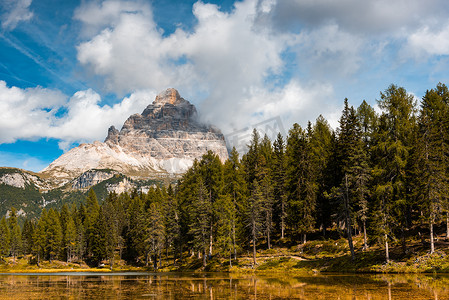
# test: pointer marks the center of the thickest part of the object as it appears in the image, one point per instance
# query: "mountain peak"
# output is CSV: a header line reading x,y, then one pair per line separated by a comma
x,y
165,139
170,96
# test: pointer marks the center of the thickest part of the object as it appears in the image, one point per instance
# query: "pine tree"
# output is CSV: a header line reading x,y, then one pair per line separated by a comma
x,y
264,178
432,149
27,237
91,216
210,169
321,147
235,187
4,238
40,236
255,216
393,142
53,234
70,238
15,234
155,231
226,214
278,171
171,222
300,183
353,188
201,218
98,238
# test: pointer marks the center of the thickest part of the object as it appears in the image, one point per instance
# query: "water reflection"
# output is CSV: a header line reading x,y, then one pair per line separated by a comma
x,y
221,286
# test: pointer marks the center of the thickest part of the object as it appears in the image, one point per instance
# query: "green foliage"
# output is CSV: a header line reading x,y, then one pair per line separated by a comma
x,y
383,175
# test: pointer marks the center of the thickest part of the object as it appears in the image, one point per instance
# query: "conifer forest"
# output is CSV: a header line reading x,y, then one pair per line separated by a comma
x,y
381,175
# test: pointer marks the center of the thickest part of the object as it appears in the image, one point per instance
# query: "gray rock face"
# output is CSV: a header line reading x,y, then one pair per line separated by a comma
x,y
90,178
165,139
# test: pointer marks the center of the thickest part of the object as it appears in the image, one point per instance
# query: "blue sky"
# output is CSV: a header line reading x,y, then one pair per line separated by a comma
x,y
70,69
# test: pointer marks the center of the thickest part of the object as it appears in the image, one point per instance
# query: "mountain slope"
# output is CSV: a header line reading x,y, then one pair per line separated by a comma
x,y
164,140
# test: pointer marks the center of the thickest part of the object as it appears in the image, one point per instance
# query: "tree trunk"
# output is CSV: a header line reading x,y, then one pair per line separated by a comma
x,y
365,246
268,232
233,240
146,259
348,220
211,240
432,244
204,258
282,218
387,253
447,225
254,243
160,258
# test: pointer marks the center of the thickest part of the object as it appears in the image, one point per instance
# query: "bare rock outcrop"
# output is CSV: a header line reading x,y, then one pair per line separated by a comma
x,y
164,140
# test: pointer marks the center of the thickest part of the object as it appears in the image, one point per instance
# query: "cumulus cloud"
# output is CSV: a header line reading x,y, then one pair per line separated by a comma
x,y
430,42
15,11
35,113
223,62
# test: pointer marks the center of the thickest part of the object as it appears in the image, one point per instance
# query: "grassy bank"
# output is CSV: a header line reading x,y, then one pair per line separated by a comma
x,y
310,258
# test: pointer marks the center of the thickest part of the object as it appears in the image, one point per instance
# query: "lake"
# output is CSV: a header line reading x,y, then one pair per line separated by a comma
x,y
220,286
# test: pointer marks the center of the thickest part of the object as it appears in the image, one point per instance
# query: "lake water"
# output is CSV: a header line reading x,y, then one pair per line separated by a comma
x,y
220,286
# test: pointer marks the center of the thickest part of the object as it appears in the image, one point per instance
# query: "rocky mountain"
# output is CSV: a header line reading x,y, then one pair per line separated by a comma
x,y
163,140
152,148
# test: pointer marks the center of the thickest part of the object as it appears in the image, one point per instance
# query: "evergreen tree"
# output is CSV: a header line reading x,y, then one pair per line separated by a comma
x,y
40,236
300,184
171,222
91,215
353,188
236,188
70,238
201,218
15,234
278,171
155,231
226,214
432,149
27,237
321,147
393,142
53,234
4,238
98,238
211,172
255,216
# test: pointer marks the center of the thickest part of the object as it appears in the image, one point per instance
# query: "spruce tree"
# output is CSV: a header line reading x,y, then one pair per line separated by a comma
x,y
300,183
201,218
4,238
391,150
320,153
279,196
235,187
15,234
53,234
432,149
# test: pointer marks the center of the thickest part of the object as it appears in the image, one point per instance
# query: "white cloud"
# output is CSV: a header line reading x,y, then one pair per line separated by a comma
x,y
224,61
430,42
32,113
15,11
26,113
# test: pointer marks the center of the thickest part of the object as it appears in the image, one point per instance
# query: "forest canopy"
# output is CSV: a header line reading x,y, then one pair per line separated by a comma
x,y
378,175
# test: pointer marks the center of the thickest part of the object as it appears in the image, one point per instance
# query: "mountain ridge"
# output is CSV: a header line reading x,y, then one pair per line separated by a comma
x,y
163,140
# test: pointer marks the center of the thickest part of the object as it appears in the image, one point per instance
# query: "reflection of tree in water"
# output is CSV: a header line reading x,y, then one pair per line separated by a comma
x,y
435,285
224,286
